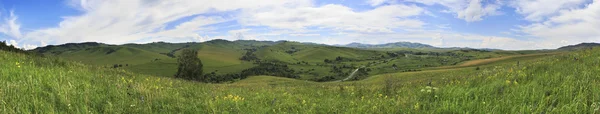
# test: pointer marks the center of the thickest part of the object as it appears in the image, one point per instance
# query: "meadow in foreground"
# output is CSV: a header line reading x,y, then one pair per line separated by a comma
x,y
565,83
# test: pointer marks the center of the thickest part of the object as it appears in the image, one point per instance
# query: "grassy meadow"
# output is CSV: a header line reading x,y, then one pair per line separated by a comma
x,y
555,83
223,57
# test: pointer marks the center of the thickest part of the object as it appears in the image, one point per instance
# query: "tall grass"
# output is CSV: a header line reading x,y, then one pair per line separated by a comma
x,y
559,84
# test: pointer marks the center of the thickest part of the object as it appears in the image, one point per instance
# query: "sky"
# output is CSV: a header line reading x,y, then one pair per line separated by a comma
x,y
498,24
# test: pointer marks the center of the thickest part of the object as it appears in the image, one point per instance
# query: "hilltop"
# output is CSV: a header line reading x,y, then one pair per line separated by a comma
x,y
36,84
388,45
579,46
308,61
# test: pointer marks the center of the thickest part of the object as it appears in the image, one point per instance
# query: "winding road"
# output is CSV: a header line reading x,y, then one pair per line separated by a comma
x,y
351,75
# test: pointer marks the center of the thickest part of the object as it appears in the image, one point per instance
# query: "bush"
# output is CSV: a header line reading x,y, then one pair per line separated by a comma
x,y
272,69
190,66
4,46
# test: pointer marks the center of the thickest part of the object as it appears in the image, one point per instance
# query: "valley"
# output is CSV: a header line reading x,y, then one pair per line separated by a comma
x,y
314,62
555,81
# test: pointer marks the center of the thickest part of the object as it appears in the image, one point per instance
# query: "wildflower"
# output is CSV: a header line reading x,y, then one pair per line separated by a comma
x,y
416,106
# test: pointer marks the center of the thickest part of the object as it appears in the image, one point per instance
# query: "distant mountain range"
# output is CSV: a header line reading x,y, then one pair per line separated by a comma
x,y
70,46
579,46
388,45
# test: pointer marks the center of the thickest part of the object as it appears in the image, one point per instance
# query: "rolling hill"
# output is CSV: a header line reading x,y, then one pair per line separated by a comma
x,y
553,83
580,46
310,61
388,45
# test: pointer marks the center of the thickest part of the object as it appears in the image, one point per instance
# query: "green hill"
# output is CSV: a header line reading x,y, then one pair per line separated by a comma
x,y
292,52
541,84
580,46
388,45
314,62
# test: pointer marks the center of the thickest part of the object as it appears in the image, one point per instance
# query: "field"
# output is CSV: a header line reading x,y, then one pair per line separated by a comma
x,y
554,83
310,61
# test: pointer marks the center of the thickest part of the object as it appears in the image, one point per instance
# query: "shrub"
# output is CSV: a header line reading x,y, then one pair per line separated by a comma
x,y
190,66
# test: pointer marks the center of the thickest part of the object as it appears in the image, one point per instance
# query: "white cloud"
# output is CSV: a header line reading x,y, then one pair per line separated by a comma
x,y
379,20
554,23
376,2
568,26
440,39
13,43
125,21
305,35
475,11
538,10
468,10
10,26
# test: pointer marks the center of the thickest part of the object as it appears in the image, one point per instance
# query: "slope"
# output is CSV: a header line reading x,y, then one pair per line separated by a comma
x,y
292,52
557,84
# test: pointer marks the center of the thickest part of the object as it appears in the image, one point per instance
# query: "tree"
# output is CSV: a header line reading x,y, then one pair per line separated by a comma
x,y
190,66
327,61
338,58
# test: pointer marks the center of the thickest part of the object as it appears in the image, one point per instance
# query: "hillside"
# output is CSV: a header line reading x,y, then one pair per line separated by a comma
x,y
580,46
309,61
536,85
388,45
293,52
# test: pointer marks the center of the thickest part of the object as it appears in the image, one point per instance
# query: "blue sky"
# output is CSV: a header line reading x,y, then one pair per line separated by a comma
x,y
501,24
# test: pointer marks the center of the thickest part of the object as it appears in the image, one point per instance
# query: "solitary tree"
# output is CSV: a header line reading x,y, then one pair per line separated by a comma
x,y
190,67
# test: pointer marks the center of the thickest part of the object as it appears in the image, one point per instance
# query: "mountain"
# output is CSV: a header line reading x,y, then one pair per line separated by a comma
x,y
388,45
310,61
579,46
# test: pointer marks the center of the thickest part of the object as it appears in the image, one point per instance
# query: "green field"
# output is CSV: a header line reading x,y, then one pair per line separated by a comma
x,y
310,61
562,83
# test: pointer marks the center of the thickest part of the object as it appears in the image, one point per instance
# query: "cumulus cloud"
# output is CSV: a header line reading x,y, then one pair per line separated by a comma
x,y
10,26
376,2
13,43
553,23
118,21
468,10
568,26
379,20
439,39
538,10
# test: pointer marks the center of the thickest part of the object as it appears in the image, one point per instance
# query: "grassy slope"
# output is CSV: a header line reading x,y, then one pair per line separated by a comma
x,y
109,55
554,84
159,47
222,56
311,53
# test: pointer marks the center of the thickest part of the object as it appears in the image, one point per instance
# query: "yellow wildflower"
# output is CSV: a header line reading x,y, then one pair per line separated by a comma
x,y
417,106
